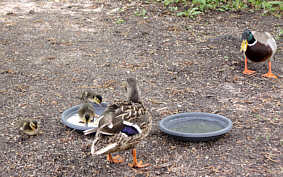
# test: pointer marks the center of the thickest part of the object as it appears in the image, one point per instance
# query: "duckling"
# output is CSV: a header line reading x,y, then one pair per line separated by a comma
x,y
90,96
86,113
128,123
29,127
258,47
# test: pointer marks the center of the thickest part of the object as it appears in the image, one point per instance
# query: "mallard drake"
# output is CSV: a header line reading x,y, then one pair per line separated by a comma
x,y
86,113
127,123
258,47
29,127
90,96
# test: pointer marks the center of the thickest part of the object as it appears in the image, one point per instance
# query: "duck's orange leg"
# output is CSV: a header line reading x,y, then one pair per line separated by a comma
x,y
116,159
247,71
135,163
269,73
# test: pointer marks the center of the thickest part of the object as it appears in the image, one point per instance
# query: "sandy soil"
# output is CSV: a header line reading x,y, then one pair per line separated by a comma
x,y
52,50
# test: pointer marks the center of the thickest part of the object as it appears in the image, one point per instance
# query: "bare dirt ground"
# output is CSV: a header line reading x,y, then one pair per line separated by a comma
x,y
52,50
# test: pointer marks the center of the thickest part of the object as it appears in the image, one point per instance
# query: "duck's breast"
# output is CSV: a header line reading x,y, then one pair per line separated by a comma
x,y
258,52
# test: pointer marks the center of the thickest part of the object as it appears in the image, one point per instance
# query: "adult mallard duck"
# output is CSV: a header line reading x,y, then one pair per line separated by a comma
x,y
86,113
258,47
29,127
127,123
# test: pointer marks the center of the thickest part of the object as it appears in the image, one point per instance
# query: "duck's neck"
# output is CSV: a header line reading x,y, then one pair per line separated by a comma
x,y
252,42
133,95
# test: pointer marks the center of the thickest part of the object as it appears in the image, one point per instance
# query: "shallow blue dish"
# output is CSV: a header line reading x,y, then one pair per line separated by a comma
x,y
99,109
166,125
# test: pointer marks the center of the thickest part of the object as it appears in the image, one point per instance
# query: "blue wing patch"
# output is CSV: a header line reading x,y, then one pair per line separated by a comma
x,y
129,130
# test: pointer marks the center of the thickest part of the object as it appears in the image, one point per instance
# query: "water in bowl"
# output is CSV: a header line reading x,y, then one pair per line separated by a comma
x,y
75,120
197,126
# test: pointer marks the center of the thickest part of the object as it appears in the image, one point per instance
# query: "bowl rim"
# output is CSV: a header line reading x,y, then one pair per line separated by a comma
x,y
190,115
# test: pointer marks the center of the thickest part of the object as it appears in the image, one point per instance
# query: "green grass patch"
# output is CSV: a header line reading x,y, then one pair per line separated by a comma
x,y
141,13
120,21
192,8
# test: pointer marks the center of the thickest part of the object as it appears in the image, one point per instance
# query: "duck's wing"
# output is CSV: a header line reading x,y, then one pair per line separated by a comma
x,y
265,38
129,111
113,127
121,117
132,133
109,124
108,144
118,142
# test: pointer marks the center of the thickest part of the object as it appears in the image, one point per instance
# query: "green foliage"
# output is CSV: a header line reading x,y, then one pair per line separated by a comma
x,y
192,8
168,2
267,137
238,4
173,9
279,34
120,21
190,12
267,6
204,4
141,13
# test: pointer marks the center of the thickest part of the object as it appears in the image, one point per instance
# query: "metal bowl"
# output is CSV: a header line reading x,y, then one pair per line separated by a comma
x,y
166,125
73,111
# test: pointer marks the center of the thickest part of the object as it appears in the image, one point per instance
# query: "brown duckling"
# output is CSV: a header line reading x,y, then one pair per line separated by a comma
x,y
90,96
86,113
29,127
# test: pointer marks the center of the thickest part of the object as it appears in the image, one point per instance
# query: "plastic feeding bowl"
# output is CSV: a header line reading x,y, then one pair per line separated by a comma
x,y
71,119
195,126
